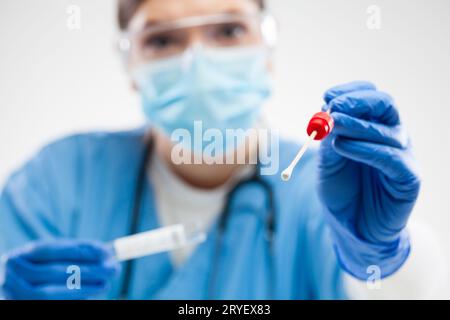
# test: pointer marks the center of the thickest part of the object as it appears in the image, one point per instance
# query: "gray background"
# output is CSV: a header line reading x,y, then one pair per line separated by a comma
x,y
55,81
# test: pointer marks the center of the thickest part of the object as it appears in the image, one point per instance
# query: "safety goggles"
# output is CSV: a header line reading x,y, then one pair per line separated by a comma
x,y
164,40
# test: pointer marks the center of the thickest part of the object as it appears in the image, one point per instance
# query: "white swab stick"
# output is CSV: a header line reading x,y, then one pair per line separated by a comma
x,y
286,174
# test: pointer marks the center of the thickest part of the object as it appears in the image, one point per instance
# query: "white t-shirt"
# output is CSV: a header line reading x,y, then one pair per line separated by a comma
x,y
179,203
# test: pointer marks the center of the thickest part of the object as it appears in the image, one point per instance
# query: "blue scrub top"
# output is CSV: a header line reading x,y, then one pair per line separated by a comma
x,y
83,187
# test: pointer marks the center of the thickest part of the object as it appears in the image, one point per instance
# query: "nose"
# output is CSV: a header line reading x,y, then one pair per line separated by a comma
x,y
194,44
195,37
193,50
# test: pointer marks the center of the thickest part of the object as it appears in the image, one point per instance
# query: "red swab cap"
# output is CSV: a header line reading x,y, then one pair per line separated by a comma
x,y
322,123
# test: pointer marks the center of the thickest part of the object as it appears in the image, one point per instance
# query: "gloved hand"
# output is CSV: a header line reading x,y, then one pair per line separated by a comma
x,y
40,270
367,179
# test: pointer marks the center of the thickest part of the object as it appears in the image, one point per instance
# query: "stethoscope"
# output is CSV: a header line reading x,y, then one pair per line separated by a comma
x,y
254,179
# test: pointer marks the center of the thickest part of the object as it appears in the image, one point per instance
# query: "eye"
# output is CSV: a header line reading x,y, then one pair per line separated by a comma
x,y
231,31
159,41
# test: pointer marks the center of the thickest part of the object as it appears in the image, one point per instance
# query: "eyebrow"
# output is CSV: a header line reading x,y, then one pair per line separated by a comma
x,y
155,22
152,23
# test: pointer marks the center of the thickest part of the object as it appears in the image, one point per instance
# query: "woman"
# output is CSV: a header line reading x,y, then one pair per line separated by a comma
x,y
207,62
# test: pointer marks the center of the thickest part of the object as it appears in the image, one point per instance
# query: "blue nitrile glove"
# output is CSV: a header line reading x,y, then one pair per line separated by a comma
x,y
367,179
41,270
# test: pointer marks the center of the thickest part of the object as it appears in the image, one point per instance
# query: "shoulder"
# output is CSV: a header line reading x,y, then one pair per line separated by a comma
x,y
71,157
94,141
91,146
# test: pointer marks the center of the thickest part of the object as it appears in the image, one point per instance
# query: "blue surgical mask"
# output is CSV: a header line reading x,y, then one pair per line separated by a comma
x,y
222,88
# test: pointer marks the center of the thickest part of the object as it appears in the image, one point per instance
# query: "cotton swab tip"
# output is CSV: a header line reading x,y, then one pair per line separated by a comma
x,y
286,175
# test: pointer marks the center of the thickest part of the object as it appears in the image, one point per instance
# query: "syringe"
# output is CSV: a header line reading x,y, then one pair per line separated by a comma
x,y
320,126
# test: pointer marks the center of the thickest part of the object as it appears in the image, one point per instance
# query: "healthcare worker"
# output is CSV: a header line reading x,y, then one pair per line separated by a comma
x,y
344,211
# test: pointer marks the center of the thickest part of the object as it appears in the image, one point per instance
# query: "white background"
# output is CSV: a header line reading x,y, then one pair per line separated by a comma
x,y
54,81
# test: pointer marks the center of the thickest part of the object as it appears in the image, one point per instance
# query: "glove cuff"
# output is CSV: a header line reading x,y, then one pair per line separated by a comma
x,y
359,257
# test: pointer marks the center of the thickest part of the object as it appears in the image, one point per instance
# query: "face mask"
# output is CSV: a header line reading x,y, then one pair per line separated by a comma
x,y
222,88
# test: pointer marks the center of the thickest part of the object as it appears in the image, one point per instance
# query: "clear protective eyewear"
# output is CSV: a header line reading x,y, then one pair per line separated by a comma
x,y
167,39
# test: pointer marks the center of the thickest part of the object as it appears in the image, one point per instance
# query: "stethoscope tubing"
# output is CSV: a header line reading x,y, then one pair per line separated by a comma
x,y
222,225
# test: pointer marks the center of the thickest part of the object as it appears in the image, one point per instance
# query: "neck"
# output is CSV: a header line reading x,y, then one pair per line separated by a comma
x,y
203,176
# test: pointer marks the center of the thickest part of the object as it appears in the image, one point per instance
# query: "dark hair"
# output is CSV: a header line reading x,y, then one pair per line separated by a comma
x,y
128,8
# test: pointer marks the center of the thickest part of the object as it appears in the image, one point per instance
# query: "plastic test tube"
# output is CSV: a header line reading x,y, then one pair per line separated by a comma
x,y
156,241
